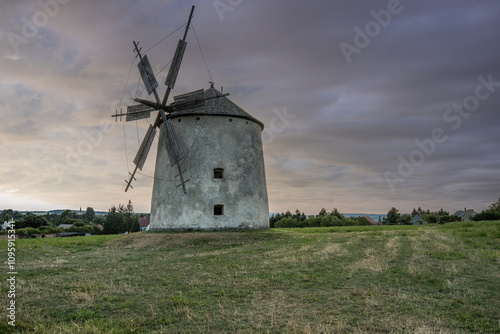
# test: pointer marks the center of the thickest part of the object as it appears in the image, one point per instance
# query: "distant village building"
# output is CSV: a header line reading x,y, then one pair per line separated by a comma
x,y
144,223
5,225
371,220
465,215
418,220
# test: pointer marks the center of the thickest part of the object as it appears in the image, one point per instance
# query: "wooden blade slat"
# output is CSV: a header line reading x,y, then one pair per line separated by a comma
x,y
137,112
176,64
142,154
147,75
171,144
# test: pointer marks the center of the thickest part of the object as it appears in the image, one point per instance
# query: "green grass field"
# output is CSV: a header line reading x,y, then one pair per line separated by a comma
x,y
401,279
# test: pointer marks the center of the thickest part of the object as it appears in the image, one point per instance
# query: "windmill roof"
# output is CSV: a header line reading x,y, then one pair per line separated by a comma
x,y
221,106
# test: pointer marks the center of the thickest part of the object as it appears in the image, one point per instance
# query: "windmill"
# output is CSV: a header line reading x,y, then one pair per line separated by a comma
x,y
212,139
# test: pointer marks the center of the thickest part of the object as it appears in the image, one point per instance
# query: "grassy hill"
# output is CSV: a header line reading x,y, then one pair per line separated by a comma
x,y
382,279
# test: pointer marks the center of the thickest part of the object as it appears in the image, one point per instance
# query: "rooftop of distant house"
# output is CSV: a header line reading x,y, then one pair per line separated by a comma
x,y
144,221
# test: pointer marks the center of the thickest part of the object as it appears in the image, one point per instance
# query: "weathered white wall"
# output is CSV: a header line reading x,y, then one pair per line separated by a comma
x,y
212,142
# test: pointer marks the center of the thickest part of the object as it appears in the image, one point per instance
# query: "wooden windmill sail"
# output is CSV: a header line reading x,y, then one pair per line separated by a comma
x,y
144,109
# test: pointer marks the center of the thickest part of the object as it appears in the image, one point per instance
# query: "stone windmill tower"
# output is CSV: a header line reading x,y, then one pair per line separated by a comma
x,y
209,171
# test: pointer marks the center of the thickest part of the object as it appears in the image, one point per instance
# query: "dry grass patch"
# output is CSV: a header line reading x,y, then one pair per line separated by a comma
x,y
333,250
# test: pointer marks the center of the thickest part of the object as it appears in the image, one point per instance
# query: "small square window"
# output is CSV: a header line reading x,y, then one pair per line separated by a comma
x,y
230,120
218,173
218,210
197,118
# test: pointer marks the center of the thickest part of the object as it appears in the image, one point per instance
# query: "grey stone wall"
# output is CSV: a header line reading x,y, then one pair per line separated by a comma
x,y
210,142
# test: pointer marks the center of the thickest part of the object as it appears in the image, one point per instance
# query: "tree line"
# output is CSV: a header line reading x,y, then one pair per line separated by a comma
x,y
492,213
119,219
322,219
393,217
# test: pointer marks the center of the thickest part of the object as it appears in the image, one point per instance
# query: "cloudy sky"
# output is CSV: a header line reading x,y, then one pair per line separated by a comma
x,y
367,104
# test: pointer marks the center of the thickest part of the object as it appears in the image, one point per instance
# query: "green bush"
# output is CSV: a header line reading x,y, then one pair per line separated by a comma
x,y
287,222
487,216
349,222
27,231
76,222
405,219
448,219
92,229
313,222
33,221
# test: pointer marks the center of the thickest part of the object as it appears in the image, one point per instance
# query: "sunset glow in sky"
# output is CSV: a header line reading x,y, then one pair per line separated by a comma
x,y
367,104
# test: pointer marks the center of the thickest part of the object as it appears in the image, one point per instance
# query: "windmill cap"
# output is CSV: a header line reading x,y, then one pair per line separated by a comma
x,y
221,106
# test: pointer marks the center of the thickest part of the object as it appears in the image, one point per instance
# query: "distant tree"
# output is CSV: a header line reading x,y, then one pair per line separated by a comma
x,y
287,222
55,219
121,220
327,221
495,207
392,217
414,212
322,212
487,215
349,221
130,207
76,222
68,214
89,214
313,222
337,214
6,215
441,212
27,231
430,218
405,219
273,219
131,220
33,221
99,220
88,228
114,222
448,219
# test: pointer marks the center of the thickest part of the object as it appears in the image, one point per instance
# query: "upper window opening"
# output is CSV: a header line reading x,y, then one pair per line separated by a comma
x,y
218,173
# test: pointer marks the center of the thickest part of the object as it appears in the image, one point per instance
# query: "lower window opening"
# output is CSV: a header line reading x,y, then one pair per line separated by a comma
x,y
218,210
